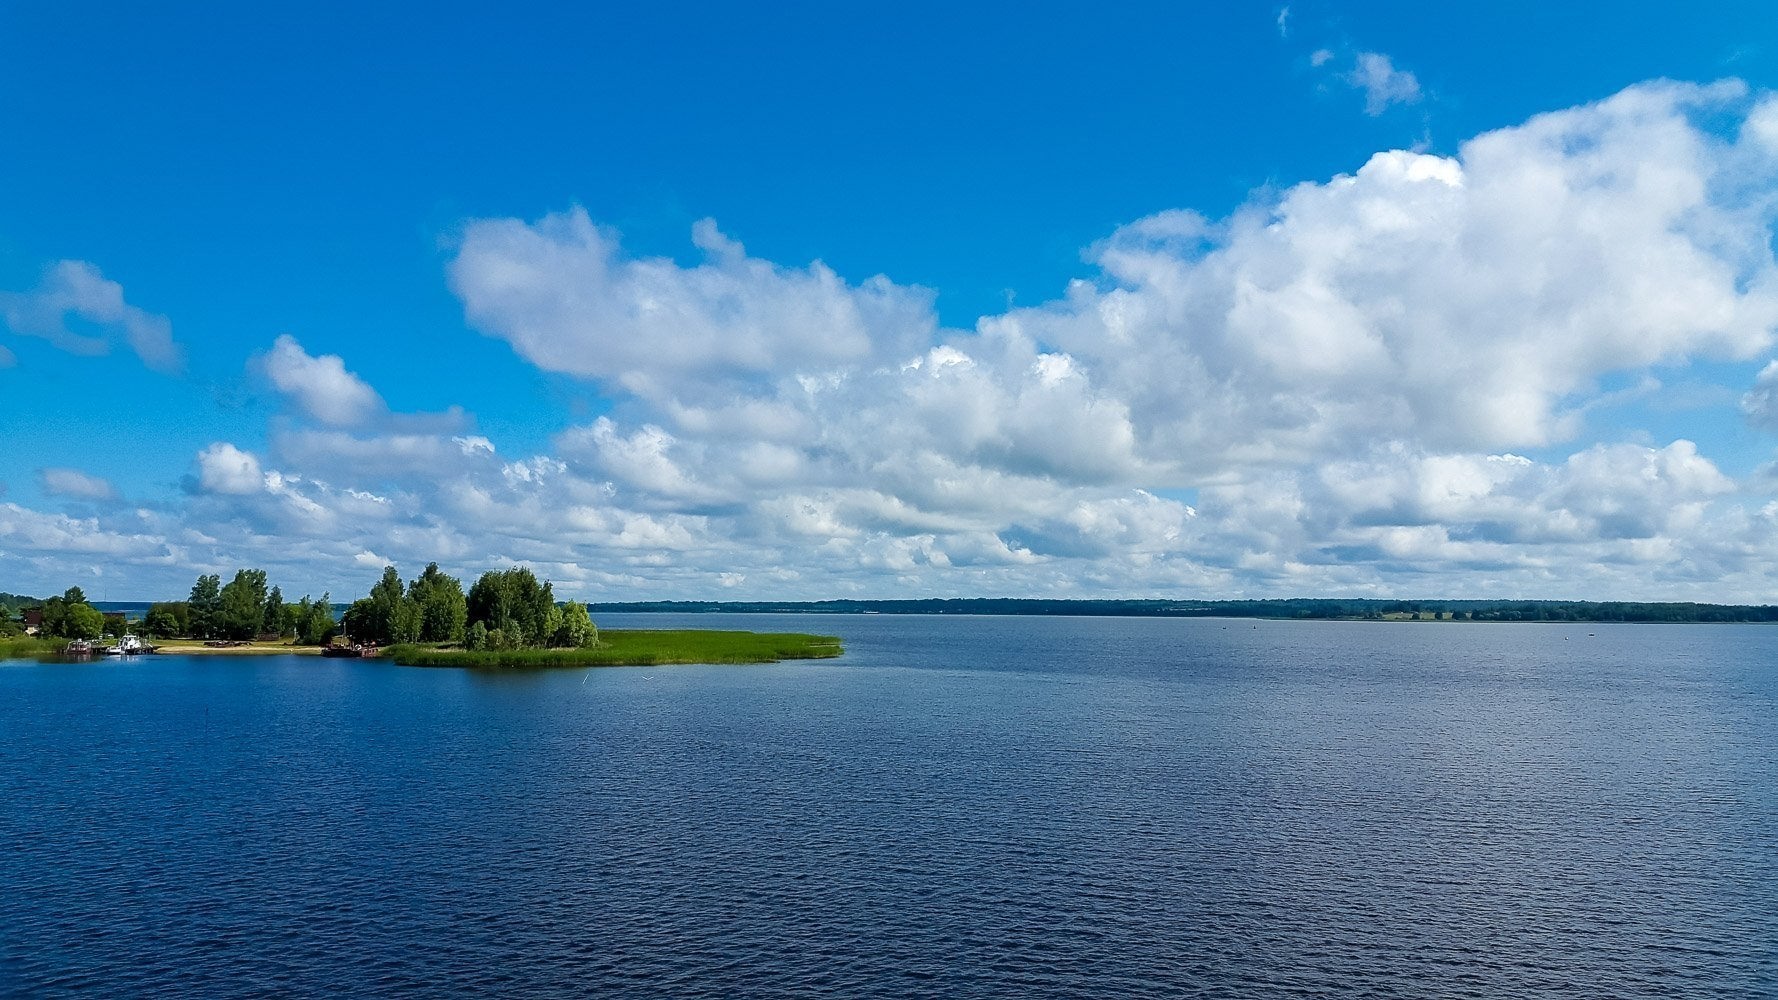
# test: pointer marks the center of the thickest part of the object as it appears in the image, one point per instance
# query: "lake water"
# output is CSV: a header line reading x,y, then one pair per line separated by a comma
x,y
959,807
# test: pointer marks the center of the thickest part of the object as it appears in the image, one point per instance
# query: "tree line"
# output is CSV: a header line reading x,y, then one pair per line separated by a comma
x,y
505,609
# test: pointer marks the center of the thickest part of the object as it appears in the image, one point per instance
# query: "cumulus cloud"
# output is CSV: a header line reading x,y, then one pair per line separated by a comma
x,y
75,484
1383,85
562,292
226,469
320,387
1387,381
76,290
1457,306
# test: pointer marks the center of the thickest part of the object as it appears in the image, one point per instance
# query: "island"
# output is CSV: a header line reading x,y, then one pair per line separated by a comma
x,y
507,619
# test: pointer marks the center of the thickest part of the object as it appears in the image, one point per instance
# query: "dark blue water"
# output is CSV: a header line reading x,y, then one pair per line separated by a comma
x,y
968,807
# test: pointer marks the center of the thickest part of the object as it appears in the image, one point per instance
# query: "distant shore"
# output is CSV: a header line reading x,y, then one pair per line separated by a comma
x,y
1284,609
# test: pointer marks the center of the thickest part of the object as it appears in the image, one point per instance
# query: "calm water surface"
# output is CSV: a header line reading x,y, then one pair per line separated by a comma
x,y
960,807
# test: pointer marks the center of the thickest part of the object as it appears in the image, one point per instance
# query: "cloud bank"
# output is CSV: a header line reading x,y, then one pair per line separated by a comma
x,y
1380,383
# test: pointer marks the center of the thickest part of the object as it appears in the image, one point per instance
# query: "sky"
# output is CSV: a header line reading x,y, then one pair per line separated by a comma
x,y
805,301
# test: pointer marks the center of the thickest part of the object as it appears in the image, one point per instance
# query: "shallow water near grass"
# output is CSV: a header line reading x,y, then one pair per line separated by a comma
x,y
956,807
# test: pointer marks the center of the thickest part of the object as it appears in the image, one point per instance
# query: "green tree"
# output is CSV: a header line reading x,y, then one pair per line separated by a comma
x,y
161,621
318,628
83,621
444,611
515,604
55,616
74,595
576,628
241,605
273,619
205,606
359,621
476,637
404,621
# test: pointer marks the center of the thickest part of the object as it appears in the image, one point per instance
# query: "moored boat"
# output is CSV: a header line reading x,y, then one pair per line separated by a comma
x,y
351,650
128,645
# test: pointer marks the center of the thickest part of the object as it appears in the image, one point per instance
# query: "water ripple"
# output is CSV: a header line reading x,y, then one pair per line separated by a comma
x,y
958,808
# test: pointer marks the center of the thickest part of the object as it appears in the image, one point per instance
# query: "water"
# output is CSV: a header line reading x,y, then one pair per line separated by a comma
x,y
1012,807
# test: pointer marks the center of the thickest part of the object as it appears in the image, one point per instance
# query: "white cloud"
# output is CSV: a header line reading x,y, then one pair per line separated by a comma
x,y
76,484
1761,402
566,298
75,289
321,386
1332,390
225,469
1321,57
1283,21
1383,84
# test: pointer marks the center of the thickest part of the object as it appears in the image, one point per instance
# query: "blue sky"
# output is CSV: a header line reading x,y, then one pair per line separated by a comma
x,y
477,228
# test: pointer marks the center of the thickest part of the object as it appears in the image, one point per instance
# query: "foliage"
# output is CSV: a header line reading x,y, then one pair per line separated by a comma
x,y
1291,608
24,645
314,622
205,606
388,614
636,648
168,618
272,620
70,617
576,630
515,604
444,611
476,638
16,603
82,621
241,605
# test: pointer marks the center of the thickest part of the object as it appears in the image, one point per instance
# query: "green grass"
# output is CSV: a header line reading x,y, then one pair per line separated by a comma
x,y
12,647
637,647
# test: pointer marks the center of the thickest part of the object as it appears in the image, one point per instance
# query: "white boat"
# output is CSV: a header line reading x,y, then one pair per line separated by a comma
x,y
129,645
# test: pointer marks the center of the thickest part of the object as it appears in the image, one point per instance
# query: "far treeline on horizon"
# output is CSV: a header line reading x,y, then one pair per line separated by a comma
x,y
512,609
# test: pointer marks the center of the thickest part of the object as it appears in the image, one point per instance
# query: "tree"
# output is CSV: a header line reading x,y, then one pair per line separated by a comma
x,y
161,621
359,622
83,621
273,619
577,628
513,603
241,605
74,595
476,637
444,612
205,605
318,627
55,616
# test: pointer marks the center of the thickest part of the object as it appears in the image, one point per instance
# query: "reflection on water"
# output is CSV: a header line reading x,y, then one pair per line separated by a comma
x,y
959,807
